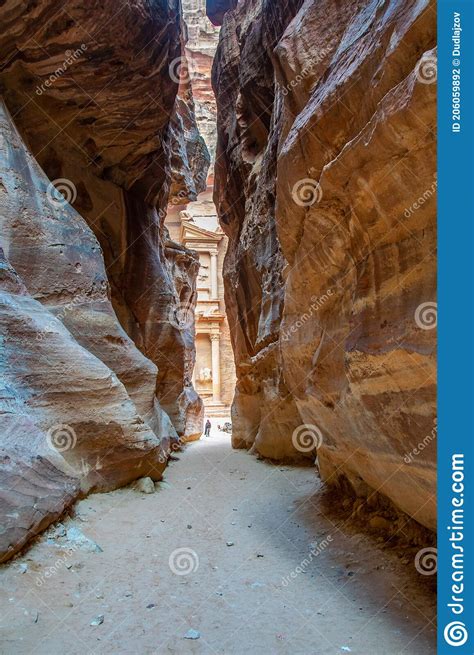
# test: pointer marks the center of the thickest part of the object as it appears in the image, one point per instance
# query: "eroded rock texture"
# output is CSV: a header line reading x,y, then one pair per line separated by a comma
x,y
95,349
79,410
190,158
102,121
201,46
216,9
326,121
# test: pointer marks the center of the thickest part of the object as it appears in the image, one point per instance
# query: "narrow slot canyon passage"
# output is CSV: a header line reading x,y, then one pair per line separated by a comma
x,y
209,214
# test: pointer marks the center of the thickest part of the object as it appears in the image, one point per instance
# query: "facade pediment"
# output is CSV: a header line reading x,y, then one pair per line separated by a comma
x,y
214,372
191,233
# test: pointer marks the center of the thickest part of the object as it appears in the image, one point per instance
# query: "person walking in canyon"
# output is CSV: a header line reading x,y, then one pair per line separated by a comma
x,y
207,428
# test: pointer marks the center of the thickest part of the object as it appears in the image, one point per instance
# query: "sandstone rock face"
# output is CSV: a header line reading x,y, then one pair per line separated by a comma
x,y
93,95
201,46
78,406
101,74
97,358
216,9
325,186
190,158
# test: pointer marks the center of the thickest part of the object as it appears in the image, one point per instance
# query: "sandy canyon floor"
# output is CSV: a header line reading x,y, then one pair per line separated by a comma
x,y
216,561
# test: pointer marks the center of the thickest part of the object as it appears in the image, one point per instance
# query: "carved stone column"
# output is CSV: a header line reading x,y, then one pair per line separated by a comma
x,y
213,275
216,368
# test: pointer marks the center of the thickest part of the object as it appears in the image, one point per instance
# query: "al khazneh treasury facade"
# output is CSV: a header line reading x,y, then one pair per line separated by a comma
x,y
196,227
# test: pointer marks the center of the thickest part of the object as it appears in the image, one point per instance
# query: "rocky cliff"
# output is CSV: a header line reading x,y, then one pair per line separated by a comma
x,y
325,187
97,346
216,9
201,45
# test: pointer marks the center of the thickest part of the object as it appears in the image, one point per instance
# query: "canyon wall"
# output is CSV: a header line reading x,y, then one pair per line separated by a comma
x,y
201,45
325,186
96,360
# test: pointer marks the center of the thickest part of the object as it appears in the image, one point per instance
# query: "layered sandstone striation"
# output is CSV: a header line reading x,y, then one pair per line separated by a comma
x,y
95,108
97,361
201,45
326,122
78,403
